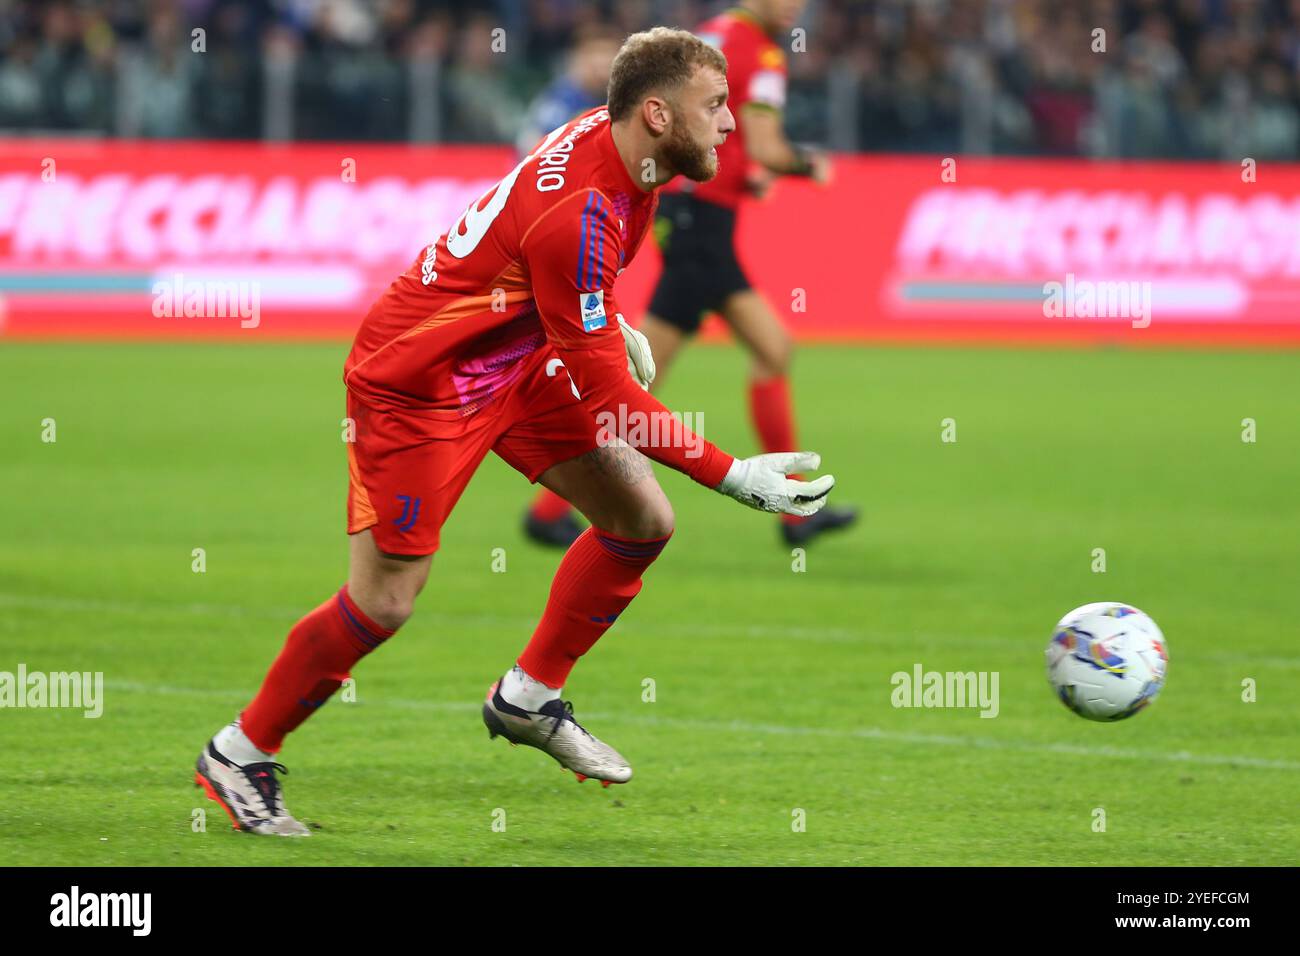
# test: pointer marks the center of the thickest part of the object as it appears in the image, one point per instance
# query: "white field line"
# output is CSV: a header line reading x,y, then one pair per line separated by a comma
x,y
428,615
782,730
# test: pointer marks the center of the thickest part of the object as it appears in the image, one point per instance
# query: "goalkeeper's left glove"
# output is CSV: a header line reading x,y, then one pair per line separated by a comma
x,y
761,483
640,363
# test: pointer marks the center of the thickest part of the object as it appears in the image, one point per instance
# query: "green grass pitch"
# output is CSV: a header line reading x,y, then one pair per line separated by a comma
x,y
771,686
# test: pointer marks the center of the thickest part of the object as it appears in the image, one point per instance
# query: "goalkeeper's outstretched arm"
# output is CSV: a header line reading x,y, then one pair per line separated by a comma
x,y
609,364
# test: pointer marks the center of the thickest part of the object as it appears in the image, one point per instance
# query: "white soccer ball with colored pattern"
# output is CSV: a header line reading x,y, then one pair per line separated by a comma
x,y
1107,661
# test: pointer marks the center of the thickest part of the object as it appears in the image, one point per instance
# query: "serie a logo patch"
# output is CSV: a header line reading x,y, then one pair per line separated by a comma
x,y
591,306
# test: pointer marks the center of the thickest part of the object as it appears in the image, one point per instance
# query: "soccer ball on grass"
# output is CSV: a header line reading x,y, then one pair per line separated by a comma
x,y
1107,661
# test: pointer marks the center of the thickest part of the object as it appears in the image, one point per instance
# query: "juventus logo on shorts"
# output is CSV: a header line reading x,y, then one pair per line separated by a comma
x,y
410,513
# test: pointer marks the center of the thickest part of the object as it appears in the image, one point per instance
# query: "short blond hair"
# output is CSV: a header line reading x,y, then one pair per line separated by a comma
x,y
661,60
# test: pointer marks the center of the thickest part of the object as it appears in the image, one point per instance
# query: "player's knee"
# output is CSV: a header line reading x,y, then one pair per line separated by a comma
x,y
783,355
390,609
654,520
394,613
658,520
774,361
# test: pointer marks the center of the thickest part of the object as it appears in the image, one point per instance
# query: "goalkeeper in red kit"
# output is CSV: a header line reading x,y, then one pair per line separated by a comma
x,y
504,335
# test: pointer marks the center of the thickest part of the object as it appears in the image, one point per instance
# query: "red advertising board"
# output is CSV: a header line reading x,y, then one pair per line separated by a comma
x,y
111,239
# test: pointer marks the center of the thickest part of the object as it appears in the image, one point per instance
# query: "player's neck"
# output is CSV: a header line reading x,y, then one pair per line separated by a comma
x,y
634,147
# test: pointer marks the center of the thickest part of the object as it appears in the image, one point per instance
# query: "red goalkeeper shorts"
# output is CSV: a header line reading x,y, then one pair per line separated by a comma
x,y
407,468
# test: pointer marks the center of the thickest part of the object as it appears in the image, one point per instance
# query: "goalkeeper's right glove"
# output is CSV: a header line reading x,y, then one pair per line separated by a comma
x,y
761,483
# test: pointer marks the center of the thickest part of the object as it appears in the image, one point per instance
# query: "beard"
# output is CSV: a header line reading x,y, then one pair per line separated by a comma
x,y
687,158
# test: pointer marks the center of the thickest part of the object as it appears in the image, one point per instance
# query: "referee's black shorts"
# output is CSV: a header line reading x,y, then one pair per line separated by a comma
x,y
697,240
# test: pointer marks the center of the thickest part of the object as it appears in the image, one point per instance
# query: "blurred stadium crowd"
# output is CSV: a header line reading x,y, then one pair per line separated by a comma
x,y
1177,78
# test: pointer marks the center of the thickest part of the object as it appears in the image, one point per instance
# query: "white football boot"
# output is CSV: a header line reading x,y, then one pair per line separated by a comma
x,y
250,794
554,731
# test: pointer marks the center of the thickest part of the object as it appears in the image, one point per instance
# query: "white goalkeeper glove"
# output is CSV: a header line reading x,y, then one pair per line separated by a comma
x,y
640,363
761,483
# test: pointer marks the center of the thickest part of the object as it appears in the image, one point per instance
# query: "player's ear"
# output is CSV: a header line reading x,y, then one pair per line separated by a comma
x,y
657,114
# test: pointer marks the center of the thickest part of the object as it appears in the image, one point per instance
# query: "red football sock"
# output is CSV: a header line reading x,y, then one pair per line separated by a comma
x,y
548,506
773,414
598,578
317,656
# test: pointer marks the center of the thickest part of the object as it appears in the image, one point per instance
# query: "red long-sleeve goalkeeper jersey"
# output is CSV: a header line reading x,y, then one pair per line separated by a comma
x,y
532,262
